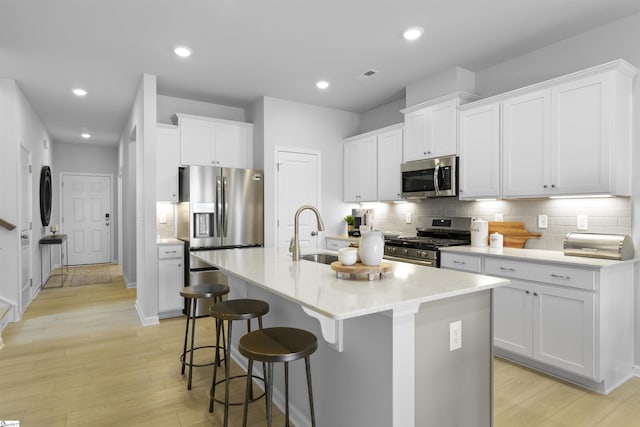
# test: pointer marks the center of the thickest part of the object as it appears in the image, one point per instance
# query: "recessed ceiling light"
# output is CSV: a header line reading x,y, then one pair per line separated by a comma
x,y
85,135
413,33
79,92
182,51
322,84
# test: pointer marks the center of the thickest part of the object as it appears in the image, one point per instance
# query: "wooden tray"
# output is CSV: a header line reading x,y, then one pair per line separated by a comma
x,y
372,271
514,233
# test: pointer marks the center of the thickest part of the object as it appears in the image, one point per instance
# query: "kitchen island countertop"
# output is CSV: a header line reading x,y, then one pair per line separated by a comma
x,y
316,287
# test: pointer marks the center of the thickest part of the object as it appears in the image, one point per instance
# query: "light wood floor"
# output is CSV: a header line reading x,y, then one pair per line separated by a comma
x,y
79,357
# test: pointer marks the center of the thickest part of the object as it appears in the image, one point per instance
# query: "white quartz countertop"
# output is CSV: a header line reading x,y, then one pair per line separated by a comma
x,y
169,241
535,255
315,286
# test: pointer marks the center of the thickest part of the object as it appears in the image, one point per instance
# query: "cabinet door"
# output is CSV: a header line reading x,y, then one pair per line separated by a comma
x,y
197,141
232,146
360,170
416,133
352,172
170,282
526,142
582,128
444,122
389,160
480,152
564,329
512,309
167,163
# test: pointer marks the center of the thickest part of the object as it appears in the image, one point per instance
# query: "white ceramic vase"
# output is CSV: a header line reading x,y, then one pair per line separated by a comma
x,y
371,247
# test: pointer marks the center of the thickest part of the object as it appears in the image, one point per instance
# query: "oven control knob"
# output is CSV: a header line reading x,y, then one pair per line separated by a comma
x,y
391,249
422,253
405,251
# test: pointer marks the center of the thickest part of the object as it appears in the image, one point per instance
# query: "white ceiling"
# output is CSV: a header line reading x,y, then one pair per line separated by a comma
x,y
244,49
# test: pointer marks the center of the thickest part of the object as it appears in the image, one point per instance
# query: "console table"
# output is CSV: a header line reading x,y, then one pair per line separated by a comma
x,y
48,241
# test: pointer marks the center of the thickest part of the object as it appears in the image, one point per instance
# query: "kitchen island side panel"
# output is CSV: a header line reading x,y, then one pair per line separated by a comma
x,y
350,388
454,388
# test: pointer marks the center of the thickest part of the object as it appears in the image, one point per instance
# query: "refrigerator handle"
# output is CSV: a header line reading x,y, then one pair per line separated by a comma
x,y
218,213
225,212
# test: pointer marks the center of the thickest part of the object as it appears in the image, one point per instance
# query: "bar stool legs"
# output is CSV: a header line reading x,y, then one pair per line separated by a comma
x,y
273,345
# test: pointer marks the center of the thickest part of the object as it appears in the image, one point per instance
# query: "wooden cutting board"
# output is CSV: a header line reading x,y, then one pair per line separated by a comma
x,y
372,271
514,233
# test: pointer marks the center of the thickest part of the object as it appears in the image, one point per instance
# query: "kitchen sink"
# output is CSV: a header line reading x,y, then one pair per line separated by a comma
x,y
321,258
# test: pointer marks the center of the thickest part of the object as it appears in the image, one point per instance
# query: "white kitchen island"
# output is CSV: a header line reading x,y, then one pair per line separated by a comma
x,y
384,354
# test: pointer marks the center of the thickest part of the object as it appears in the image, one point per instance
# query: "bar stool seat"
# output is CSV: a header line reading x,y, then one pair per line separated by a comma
x,y
192,294
280,344
229,311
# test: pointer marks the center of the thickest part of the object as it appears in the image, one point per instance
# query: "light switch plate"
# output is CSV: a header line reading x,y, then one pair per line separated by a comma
x,y
407,218
583,222
542,221
498,217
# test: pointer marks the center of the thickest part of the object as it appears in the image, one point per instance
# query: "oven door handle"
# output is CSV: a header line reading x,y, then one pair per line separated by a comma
x,y
425,263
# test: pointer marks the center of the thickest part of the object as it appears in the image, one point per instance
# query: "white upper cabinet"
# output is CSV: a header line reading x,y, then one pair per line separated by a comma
x,y
167,162
570,136
207,141
372,165
360,170
430,128
479,168
389,161
526,139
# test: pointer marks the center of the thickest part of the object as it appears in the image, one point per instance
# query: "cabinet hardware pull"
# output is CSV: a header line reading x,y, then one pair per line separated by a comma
x,y
535,294
171,252
560,276
507,269
459,262
527,292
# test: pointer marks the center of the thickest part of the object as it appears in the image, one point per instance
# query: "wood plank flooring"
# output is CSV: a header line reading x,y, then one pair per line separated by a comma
x,y
79,357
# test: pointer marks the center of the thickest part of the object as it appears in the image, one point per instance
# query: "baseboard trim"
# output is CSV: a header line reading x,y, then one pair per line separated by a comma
x,y
636,371
127,283
146,321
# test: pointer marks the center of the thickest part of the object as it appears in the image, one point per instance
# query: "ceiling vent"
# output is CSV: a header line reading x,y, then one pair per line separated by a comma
x,y
367,74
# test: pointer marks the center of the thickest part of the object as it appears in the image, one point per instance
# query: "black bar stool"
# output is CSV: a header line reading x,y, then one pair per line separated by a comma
x,y
239,309
192,294
272,345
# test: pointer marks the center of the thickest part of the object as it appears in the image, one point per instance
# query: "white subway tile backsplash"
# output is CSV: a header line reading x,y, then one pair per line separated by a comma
x,y
606,215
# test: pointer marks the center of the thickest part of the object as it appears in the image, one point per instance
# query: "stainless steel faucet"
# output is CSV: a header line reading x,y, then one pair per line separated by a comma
x,y
294,246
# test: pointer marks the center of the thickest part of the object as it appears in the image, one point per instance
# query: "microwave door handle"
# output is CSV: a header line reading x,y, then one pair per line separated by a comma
x,y
436,184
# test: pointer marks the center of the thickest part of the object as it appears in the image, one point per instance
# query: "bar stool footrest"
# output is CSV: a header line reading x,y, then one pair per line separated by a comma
x,y
184,355
222,402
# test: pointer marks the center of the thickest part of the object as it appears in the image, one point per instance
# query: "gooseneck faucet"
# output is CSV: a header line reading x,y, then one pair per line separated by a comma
x,y
294,246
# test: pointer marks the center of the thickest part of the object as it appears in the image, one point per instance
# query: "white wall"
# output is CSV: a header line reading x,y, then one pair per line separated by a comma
x,y
19,125
385,115
168,106
86,158
292,124
137,161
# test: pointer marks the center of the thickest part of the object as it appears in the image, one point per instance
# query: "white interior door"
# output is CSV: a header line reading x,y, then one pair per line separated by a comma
x,y
298,183
86,218
26,216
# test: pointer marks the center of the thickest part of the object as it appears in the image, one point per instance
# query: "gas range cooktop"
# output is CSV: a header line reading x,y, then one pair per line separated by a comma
x,y
423,242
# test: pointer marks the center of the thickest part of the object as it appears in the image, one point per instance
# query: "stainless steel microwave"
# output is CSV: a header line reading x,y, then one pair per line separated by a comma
x,y
436,177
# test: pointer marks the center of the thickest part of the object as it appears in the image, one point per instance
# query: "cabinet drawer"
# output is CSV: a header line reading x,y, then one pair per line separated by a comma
x,y
335,244
469,263
170,251
545,273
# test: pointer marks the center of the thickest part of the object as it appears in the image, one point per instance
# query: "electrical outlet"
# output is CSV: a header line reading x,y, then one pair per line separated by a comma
x,y
498,217
583,222
542,221
163,218
407,218
455,335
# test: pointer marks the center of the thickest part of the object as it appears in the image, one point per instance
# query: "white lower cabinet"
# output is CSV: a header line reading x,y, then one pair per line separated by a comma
x,y
335,244
572,321
170,280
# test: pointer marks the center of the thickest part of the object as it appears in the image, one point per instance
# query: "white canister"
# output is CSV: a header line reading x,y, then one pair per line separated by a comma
x,y
496,240
371,248
479,233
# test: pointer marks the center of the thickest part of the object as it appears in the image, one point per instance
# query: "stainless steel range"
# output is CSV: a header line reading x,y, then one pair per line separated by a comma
x,y
423,248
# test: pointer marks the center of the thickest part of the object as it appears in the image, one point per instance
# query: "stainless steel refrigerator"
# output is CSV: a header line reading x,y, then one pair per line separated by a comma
x,y
219,208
